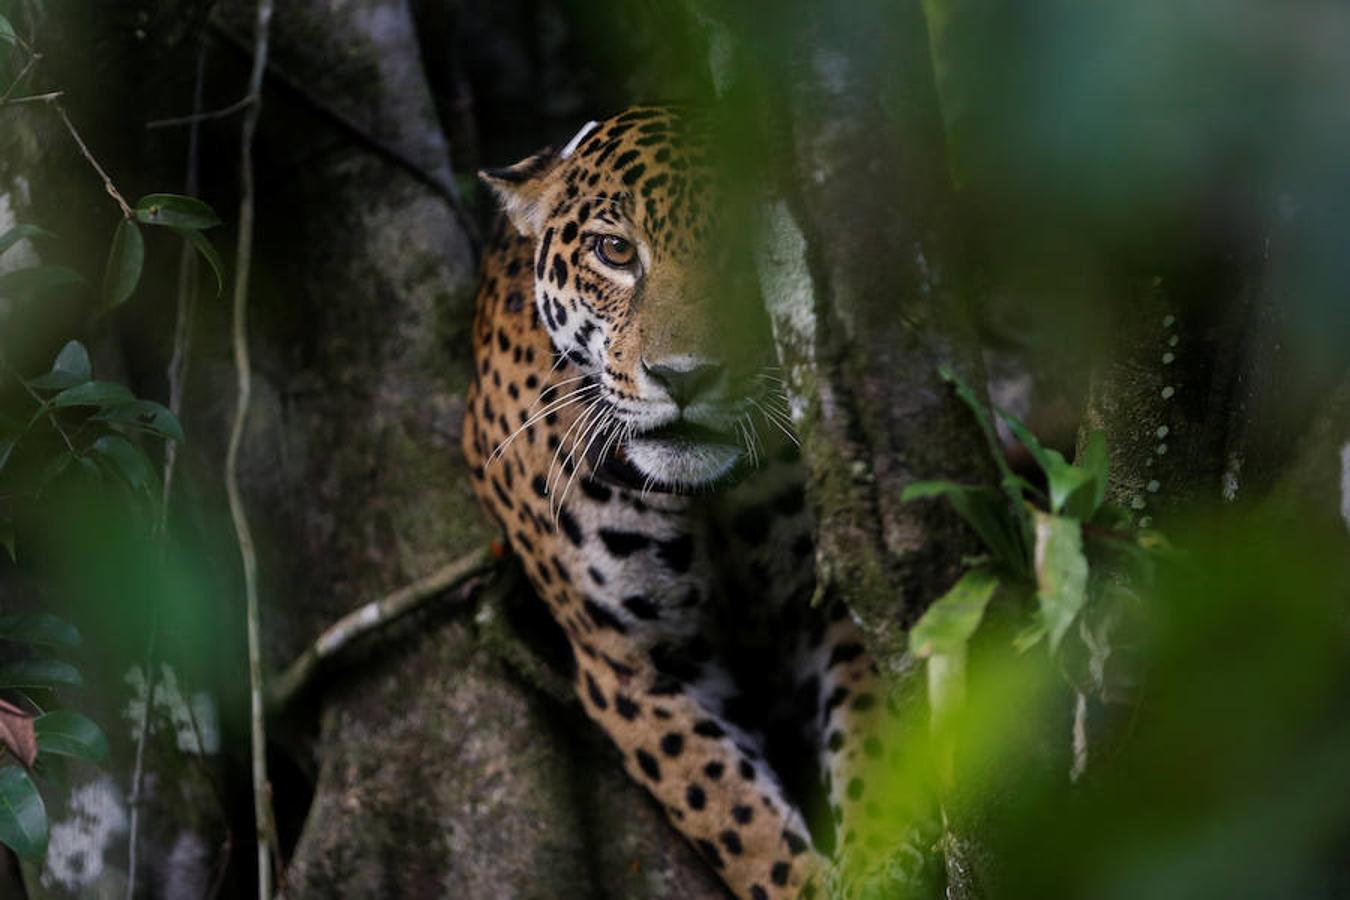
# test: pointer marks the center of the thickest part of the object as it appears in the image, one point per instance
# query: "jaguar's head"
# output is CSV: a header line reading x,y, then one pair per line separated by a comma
x,y
643,278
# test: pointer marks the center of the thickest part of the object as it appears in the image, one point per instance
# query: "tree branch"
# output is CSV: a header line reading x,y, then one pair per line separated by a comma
x,y
371,617
107,182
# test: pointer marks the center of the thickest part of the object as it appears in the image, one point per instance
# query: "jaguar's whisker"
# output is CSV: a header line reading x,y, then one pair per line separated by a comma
x,y
566,400
606,416
578,423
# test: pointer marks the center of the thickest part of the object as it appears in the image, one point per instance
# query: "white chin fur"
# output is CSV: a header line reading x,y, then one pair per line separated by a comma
x,y
681,463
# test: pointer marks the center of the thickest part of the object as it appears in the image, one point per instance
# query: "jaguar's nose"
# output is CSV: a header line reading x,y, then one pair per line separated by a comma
x,y
685,380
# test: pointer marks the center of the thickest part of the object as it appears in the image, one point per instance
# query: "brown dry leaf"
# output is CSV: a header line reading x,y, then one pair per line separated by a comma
x,y
17,734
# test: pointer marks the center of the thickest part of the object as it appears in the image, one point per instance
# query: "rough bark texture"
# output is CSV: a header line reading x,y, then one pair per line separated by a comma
x,y
859,266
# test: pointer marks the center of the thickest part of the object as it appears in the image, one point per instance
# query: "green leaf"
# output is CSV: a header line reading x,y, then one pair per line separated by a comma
x,y
1068,483
126,258
68,733
71,368
23,284
55,381
1030,441
972,402
6,448
126,460
1096,463
1061,573
23,817
923,490
986,511
74,359
19,233
93,393
952,619
39,673
146,415
176,211
7,31
1020,525
1070,486
1029,637
7,539
208,252
39,628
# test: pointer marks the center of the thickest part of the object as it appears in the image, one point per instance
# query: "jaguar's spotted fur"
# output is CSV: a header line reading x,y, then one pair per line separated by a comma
x,y
620,428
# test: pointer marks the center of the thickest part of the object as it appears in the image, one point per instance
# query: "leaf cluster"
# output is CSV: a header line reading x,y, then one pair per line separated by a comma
x,y
36,737
1059,555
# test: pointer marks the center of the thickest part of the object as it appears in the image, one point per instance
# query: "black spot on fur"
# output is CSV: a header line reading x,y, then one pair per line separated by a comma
x,y
602,617
732,841
677,553
779,873
743,814
542,255
714,770
709,729
695,797
570,527
626,707
648,764
844,653
796,843
596,696
672,745
641,607
595,490
633,174
623,543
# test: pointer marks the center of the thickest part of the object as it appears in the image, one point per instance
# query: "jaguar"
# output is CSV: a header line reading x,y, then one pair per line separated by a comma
x,y
628,429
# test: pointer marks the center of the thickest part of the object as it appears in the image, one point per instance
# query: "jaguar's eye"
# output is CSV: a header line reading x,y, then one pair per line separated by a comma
x,y
615,251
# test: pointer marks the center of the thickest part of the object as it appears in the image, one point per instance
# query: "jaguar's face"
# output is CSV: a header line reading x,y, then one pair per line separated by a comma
x,y
646,289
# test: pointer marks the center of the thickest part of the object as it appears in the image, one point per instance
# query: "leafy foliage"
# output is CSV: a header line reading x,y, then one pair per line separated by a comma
x,y
28,738
68,428
1039,542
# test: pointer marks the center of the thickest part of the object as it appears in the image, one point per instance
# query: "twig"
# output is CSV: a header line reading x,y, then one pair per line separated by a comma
x,y
262,801
371,617
34,98
23,73
51,416
177,374
198,117
107,182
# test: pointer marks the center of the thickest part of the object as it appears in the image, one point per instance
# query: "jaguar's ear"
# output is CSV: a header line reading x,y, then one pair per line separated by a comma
x,y
524,190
